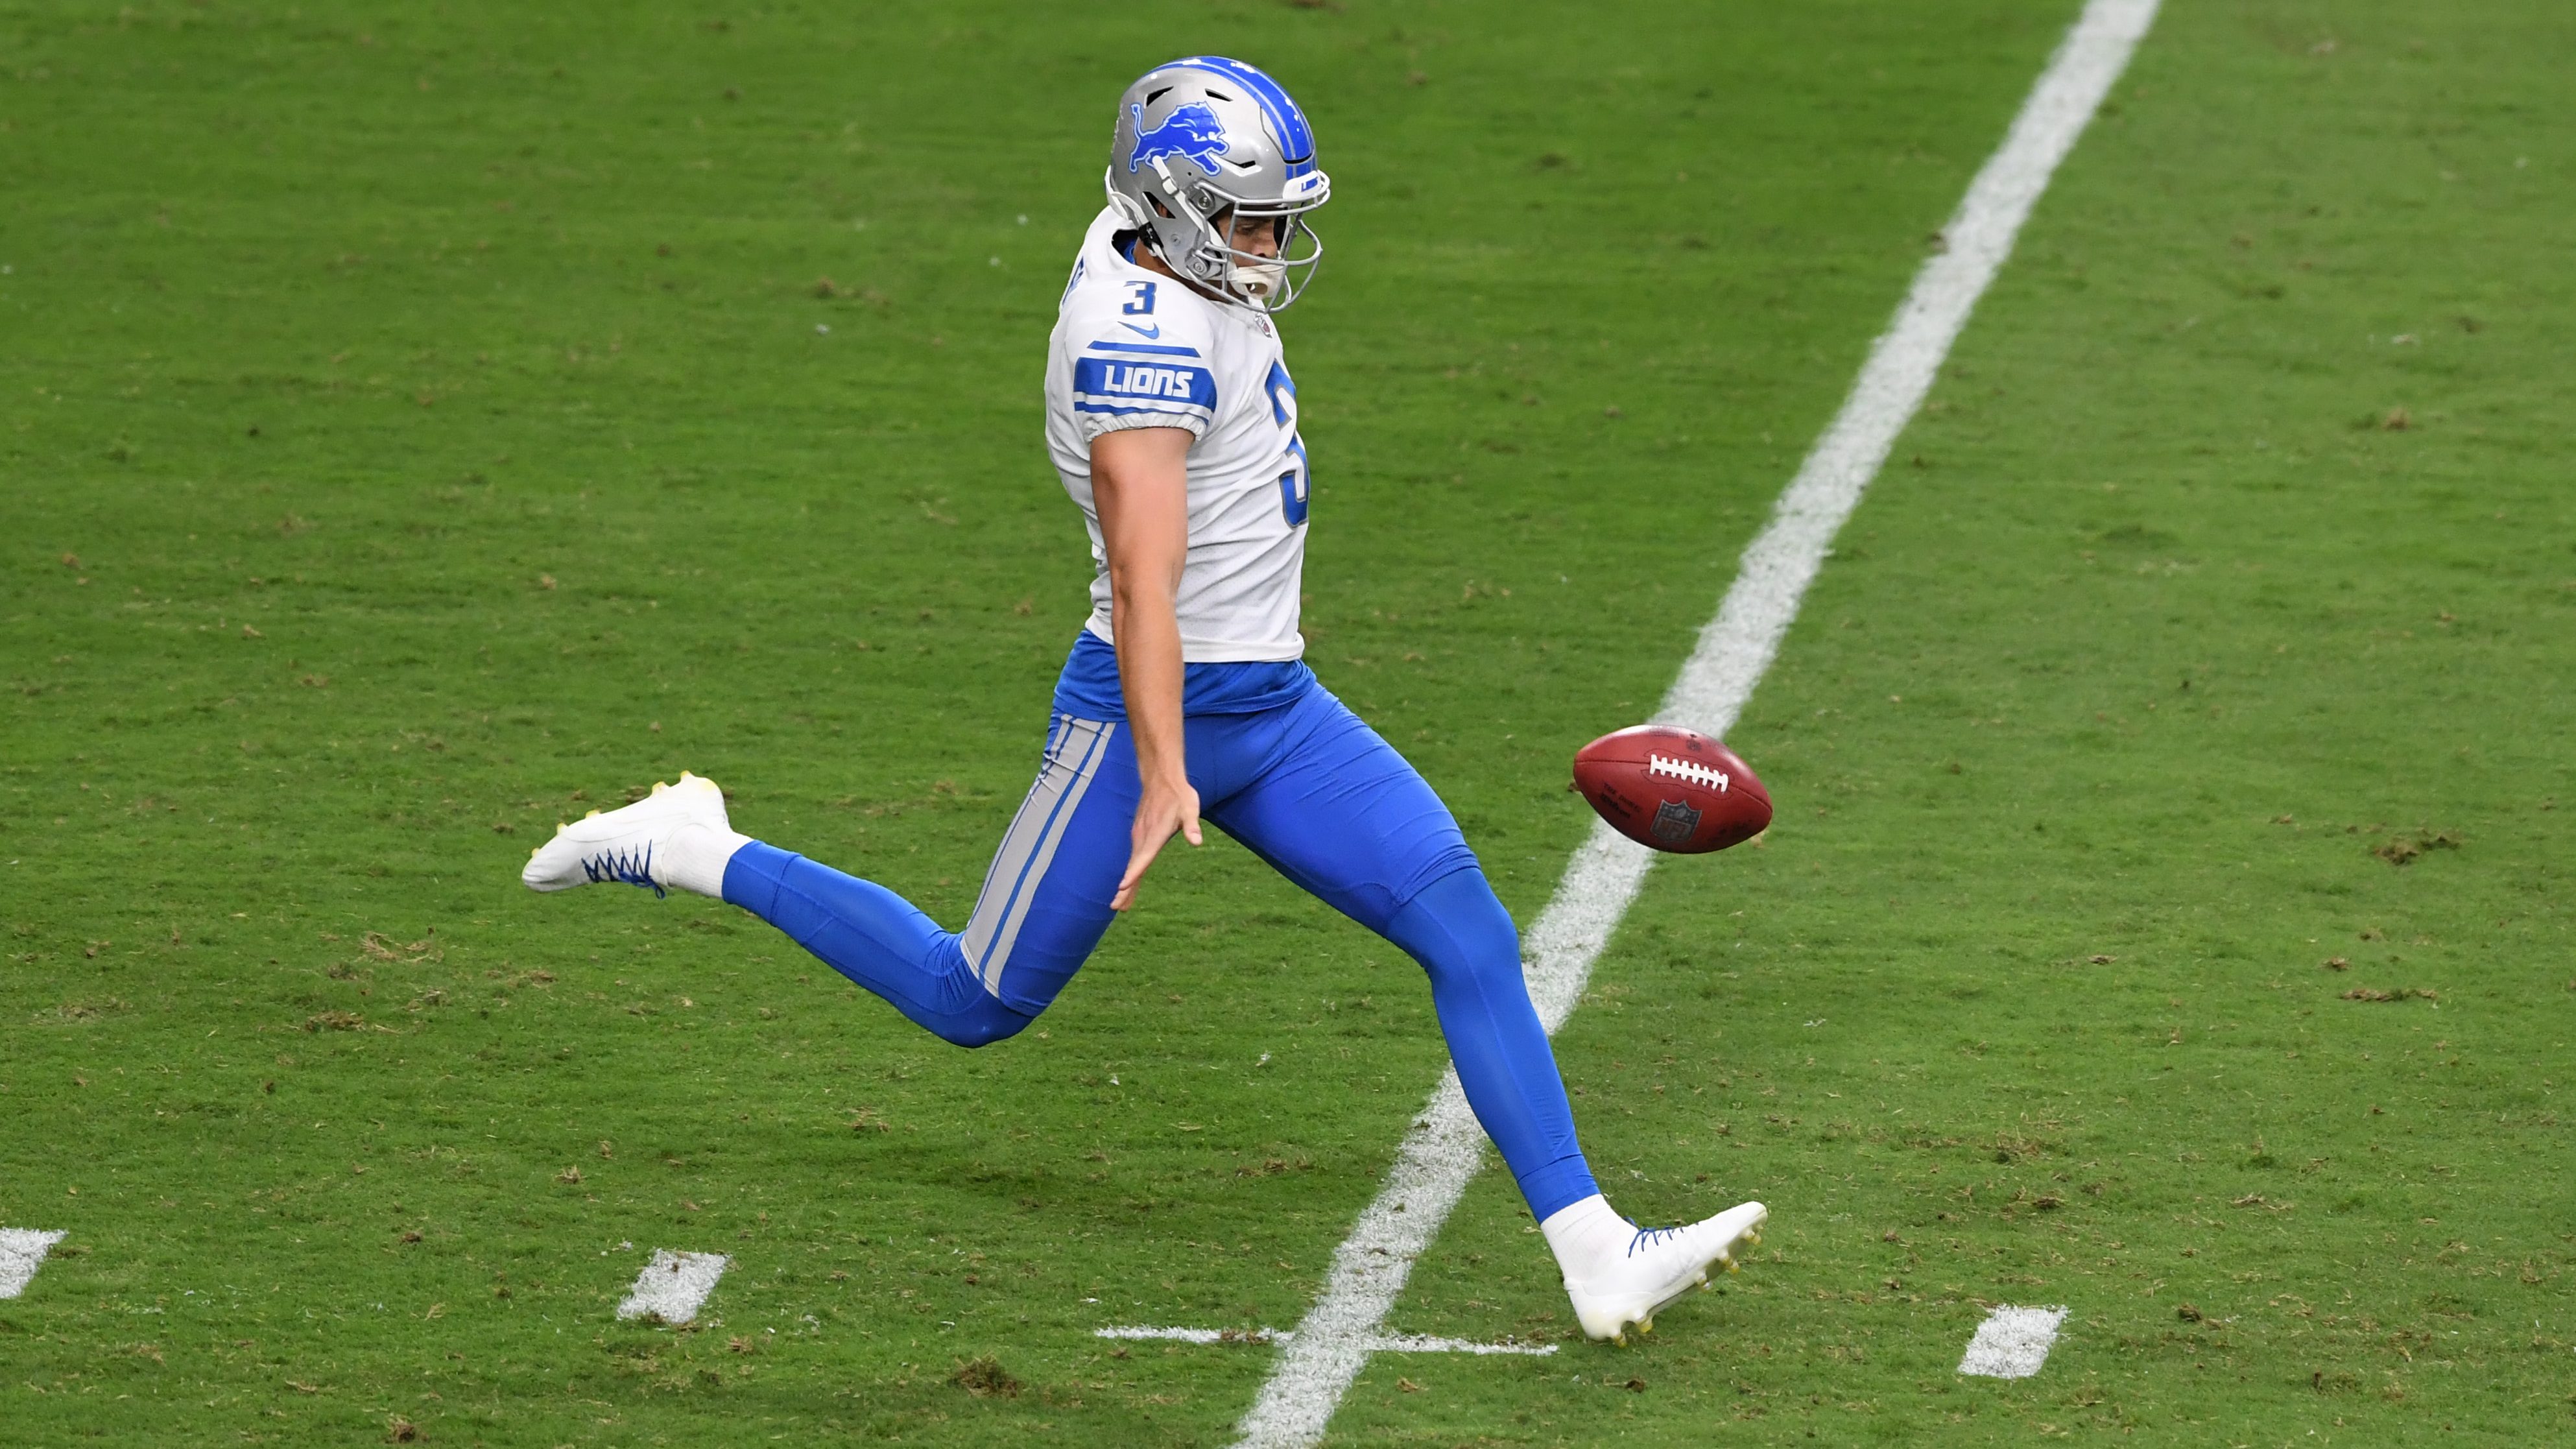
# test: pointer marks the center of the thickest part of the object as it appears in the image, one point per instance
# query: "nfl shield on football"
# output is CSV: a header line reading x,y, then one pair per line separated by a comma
x,y
1672,789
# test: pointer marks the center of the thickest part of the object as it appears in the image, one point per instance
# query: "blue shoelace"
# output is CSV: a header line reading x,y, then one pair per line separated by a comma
x,y
631,867
1650,1238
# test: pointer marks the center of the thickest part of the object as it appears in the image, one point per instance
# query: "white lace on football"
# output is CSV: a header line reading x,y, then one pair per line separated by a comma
x,y
1690,770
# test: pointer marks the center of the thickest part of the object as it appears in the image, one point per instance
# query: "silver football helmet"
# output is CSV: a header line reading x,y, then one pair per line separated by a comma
x,y
1206,137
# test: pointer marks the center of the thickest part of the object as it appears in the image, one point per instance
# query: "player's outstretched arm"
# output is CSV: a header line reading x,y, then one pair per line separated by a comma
x,y
1140,486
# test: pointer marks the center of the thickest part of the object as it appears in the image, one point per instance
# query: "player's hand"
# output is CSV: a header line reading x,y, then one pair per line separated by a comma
x,y
1165,810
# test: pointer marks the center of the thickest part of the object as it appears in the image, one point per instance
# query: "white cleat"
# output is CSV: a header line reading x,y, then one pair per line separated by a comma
x,y
631,843
1660,1265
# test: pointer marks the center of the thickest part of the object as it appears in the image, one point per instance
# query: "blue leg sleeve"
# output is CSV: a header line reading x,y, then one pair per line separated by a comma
x,y
1338,811
1044,905
874,937
1464,938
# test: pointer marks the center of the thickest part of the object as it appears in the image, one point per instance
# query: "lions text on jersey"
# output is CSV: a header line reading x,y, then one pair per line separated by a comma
x,y
1135,349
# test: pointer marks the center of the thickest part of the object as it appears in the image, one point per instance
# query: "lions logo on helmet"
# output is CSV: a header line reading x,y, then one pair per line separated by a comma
x,y
1206,151
1192,131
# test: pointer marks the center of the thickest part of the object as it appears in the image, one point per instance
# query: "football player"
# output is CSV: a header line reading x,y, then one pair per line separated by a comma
x,y
1172,419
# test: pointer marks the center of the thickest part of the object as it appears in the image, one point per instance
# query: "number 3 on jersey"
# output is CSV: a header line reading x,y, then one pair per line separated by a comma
x,y
1293,484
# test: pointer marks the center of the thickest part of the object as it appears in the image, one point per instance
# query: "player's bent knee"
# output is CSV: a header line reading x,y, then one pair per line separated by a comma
x,y
1457,925
981,1024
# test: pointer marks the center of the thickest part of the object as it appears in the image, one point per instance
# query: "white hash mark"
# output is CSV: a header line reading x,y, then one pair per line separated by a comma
x,y
22,1252
674,1286
1444,1150
2012,1343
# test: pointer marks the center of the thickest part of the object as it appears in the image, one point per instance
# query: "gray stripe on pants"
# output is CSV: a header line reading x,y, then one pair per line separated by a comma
x,y
1028,848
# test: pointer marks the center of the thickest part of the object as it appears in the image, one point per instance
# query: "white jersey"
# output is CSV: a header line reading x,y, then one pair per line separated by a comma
x,y
1136,349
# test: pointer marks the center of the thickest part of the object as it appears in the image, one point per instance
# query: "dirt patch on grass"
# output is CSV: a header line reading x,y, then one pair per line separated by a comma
x,y
79,1011
985,1378
2405,849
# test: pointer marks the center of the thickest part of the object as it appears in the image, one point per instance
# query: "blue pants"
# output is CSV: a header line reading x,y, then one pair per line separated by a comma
x,y
1304,785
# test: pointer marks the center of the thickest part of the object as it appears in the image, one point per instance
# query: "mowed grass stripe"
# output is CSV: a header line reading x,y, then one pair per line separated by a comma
x,y
1446,1146
2039,1008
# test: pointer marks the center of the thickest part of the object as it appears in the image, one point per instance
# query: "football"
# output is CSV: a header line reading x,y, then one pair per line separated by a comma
x,y
1672,789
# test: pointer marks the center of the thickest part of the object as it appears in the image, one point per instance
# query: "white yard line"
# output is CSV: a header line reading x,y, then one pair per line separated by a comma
x,y
1383,1343
22,1252
1200,1335
1317,1365
2012,1343
674,1286
1425,1343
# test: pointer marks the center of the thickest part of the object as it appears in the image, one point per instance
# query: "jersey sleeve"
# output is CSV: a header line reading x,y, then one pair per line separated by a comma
x,y
1138,371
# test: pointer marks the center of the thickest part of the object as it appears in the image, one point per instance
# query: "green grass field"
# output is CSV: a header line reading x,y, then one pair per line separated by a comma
x,y
427,424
